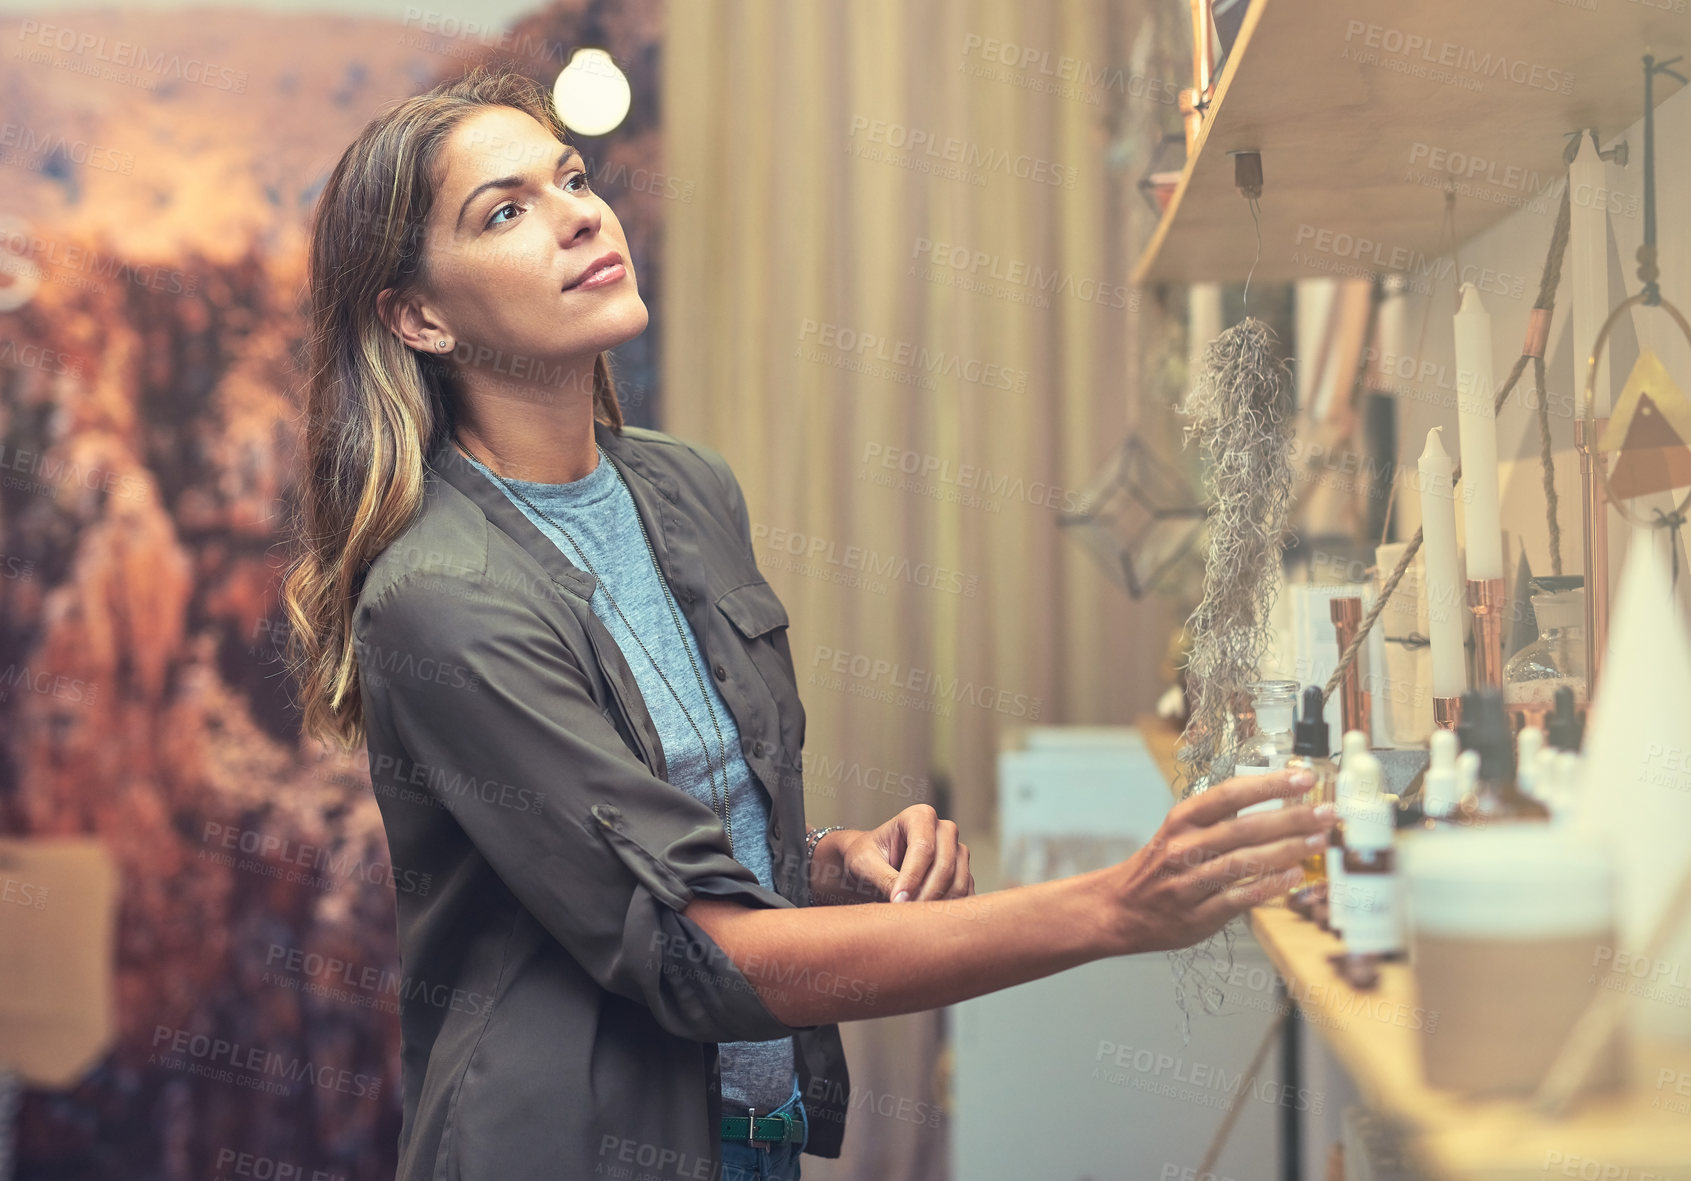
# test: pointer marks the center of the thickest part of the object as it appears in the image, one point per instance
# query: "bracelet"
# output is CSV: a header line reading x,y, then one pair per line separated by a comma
x,y
813,837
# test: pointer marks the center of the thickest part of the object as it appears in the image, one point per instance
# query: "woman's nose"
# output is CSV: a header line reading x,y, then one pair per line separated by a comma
x,y
576,219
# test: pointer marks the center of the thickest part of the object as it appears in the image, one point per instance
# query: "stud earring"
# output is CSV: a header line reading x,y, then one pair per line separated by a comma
x,y
441,345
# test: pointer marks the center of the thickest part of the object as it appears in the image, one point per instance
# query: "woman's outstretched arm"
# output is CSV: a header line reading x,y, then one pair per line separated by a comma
x,y
816,965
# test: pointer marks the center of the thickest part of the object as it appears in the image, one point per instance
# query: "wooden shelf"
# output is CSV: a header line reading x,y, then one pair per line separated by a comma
x,y
1375,1036
1360,111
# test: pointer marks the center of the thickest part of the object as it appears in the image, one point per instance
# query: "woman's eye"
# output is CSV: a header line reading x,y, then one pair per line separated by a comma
x,y
586,185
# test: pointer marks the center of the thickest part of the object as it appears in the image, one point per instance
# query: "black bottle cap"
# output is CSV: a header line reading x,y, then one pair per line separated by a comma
x,y
1485,728
1309,736
1566,729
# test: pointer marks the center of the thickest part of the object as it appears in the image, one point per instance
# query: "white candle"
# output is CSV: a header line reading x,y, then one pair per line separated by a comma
x,y
1444,591
1476,391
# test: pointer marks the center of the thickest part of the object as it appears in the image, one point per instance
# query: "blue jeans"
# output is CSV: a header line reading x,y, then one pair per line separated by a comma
x,y
764,1161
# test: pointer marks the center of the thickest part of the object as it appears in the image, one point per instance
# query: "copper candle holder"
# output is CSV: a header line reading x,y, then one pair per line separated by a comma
x,y
1354,704
1486,602
1447,712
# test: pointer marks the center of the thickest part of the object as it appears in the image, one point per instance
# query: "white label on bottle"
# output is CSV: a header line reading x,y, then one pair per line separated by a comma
x,y
1373,918
1335,887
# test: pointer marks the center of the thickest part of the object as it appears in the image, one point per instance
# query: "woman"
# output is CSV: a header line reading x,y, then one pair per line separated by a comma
x,y
626,954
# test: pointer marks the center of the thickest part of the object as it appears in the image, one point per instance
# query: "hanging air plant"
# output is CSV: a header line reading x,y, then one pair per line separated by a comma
x,y
1240,411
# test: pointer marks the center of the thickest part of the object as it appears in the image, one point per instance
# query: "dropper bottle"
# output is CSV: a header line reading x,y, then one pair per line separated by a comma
x,y
1440,788
1566,729
1311,752
1561,773
1467,775
1496,796
1559,761
1528,744
1345,786
1370,909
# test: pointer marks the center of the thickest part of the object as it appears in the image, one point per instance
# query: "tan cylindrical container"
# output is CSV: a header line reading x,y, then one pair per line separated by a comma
x,y
1511,929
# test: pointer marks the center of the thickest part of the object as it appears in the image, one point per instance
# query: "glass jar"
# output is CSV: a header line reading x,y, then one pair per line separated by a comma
x,y
1274,703
1555,660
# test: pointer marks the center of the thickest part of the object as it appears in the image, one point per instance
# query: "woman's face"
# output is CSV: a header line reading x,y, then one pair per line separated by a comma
x,y
515,244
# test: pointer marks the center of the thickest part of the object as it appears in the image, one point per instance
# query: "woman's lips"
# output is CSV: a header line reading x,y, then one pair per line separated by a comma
x,y
601,277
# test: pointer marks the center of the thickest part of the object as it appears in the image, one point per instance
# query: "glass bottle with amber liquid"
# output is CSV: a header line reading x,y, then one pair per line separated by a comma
x,y
1311,753
1496,796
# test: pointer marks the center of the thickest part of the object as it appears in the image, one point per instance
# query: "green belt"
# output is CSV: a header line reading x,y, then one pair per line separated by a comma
x,y
774,1129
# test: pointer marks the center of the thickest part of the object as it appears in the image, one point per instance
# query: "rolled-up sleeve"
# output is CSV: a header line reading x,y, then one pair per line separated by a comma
x,y
477,686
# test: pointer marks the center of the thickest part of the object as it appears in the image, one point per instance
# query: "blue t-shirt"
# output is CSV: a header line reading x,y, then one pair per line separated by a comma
x,y
600,514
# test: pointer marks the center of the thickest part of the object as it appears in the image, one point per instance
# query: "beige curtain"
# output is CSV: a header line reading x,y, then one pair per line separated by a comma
x,y
808,228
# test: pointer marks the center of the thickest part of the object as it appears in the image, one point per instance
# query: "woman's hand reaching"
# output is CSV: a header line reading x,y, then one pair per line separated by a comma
x,y
1207,864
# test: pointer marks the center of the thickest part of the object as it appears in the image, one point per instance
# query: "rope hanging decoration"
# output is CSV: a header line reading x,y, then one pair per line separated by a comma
x,y
1241,417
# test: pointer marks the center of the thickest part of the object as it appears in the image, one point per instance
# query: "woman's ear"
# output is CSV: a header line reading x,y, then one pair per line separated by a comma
x,y
406,320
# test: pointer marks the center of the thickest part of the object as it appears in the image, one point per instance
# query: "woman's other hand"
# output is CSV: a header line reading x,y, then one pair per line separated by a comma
x,y
915,856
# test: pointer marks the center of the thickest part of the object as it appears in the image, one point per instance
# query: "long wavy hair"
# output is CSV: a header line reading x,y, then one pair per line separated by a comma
x,y
374,408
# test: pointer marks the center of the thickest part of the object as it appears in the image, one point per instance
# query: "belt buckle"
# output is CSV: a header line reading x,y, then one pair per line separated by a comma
x,y
751,1127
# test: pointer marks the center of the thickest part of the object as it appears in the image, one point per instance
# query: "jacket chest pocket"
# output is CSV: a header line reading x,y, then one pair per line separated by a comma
x,y
761,621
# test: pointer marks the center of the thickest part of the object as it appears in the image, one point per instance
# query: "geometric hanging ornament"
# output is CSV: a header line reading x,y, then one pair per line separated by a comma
x,y
1141,519
1648,433
1651,412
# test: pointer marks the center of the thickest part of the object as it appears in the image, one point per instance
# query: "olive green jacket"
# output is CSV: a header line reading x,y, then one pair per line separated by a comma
x,y
559,1015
